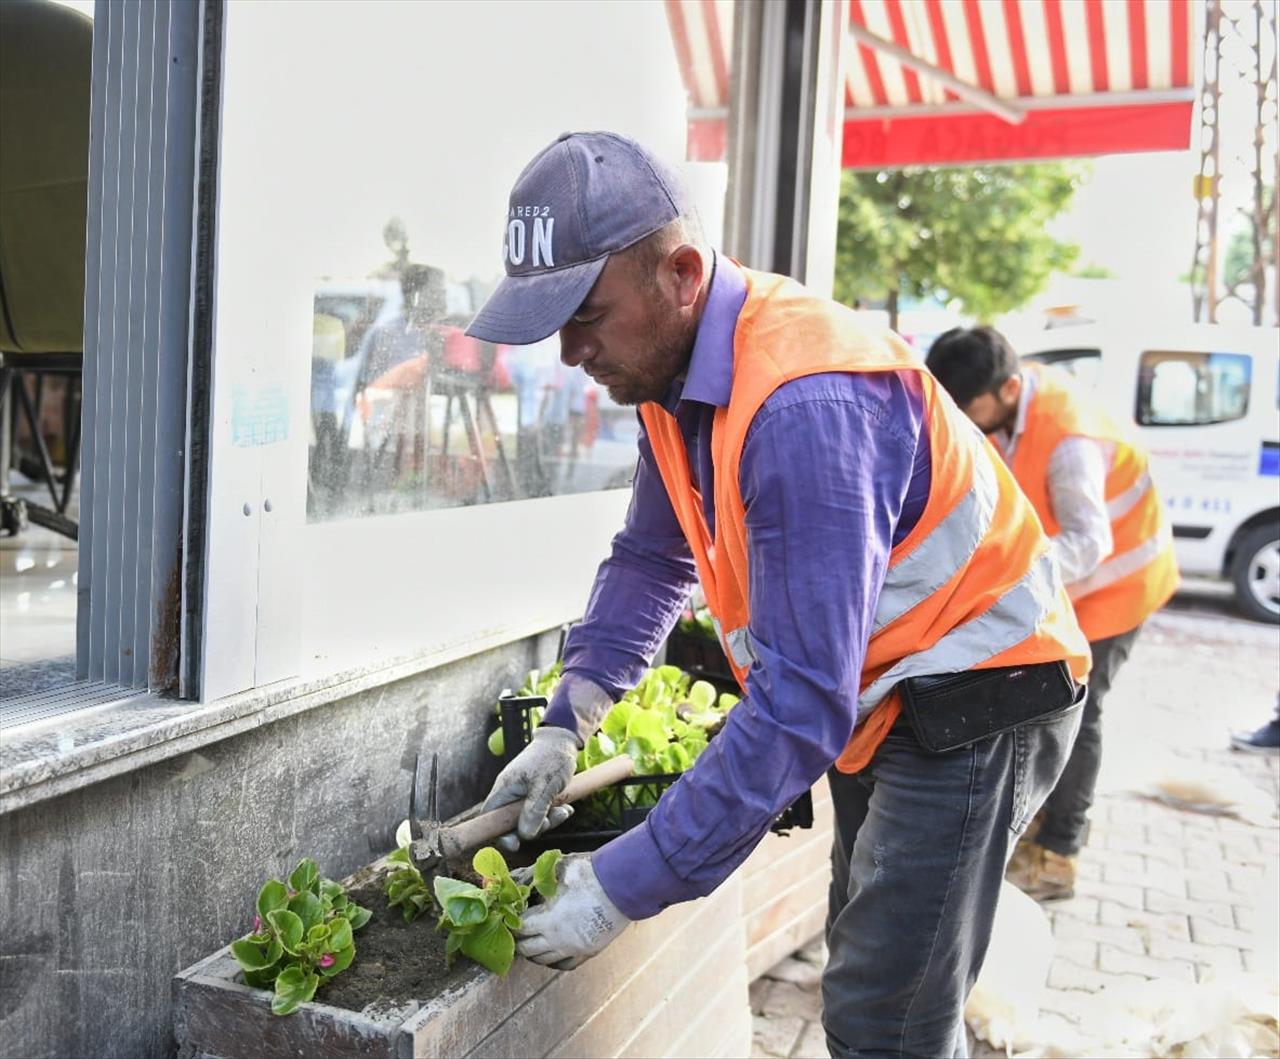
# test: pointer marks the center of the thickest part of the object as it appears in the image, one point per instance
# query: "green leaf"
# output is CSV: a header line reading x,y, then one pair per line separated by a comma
x,y
462,903
317,934
727,702
288,927
497,743
491,946
616,720
254,957
291,990
646,728
675,758
702,695
339,935
330,891
672,676
490,864
341,961
599,748
264,979
544,872
305,876
452,946
306,906
356,916
272,896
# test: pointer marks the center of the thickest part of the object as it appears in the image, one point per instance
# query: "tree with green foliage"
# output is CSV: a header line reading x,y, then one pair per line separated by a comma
x,y
976,235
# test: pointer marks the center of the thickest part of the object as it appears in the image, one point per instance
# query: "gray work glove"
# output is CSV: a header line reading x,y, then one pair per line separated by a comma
x,y
542,770
538,774
579,921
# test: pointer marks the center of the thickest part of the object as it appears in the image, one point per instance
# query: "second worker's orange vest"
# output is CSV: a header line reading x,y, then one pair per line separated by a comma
x,y
1141,573
972,585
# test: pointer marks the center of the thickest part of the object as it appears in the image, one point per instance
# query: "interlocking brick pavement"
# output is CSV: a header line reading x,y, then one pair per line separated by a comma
x,y
1164,893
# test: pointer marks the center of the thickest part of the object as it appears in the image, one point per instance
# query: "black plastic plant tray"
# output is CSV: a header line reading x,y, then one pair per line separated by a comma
x,y
608,817
702,658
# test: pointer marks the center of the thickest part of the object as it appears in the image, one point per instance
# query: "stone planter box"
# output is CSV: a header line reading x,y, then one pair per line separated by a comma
x,y
675,985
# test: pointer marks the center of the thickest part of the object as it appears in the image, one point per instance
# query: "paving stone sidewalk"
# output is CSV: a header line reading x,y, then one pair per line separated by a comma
x,y
1165,892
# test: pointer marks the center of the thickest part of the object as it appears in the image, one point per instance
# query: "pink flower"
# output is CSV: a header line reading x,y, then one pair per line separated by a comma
x,y
257,923
327,960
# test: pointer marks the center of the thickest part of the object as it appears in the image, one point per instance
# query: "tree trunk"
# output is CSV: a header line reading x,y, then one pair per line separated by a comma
x,y
891,303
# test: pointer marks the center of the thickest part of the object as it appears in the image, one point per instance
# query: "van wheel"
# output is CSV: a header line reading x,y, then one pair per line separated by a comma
x,y
1256,574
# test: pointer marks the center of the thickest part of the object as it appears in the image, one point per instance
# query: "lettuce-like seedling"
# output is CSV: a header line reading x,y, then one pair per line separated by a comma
x,y
479,919
405,886
302,937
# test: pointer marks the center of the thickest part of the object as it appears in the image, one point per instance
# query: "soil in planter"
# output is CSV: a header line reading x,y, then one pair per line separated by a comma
x,y
395,961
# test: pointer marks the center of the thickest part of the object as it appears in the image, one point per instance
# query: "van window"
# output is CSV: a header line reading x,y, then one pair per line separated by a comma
x,y
1192,389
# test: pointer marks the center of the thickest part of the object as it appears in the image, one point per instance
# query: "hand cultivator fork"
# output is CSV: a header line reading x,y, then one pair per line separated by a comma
x,y
435,842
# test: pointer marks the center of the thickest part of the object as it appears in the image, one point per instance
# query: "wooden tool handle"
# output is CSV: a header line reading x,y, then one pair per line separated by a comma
x,y
474,833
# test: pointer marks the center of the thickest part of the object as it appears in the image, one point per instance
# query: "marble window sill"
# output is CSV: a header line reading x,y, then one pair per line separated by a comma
x,y
74,750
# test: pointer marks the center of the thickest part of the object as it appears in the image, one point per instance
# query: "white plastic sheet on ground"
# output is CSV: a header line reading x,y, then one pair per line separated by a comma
x,y
1231,1016
1004,1007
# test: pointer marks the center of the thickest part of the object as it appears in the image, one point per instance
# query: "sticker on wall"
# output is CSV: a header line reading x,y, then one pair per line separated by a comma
x,y
259,417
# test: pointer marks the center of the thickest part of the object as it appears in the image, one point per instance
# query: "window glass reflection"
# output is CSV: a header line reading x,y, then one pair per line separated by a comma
x,y
398,224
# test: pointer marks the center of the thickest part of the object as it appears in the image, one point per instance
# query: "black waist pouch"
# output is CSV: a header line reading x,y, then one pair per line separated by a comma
x,y
953,710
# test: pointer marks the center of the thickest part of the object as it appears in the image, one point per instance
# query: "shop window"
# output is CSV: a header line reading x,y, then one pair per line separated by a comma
x,y
398,487
393,144
1192,389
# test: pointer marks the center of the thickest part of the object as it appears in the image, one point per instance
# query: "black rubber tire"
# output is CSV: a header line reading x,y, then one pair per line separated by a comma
x,y
1250,544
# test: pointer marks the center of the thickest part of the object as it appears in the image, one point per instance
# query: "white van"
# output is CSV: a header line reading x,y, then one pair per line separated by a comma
x,y
1205,402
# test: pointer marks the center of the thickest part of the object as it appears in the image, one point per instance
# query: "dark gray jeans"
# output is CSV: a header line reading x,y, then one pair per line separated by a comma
x,y
921,842
1064,824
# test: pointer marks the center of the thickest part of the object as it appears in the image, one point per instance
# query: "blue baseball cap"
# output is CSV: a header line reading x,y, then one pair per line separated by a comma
x,y
584,197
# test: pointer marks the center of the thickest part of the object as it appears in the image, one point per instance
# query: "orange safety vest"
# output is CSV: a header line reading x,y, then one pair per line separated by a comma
x,y
1141,572
972,585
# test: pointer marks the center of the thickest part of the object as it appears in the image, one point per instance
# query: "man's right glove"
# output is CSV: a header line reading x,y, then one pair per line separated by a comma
x,y
542,770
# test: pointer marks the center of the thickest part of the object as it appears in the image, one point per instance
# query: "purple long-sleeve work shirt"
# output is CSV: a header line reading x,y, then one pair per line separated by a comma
x,y
835,470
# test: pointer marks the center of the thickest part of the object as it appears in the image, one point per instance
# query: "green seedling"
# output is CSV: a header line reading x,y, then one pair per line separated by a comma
x,y
303,935
479,920
404,886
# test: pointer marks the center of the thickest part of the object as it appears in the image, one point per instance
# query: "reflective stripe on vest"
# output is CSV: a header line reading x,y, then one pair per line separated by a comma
x,y
997,629
942,554
1140,573
1121,504
738,643
1121,566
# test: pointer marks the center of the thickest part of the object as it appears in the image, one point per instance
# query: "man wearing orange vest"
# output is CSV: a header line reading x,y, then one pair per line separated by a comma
x,y
884,591
1089,484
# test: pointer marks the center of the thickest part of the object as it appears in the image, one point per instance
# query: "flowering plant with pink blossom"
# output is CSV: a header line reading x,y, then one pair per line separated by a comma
x,y
303,935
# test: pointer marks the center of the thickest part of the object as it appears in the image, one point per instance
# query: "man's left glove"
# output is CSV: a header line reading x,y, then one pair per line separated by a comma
x,y
570,928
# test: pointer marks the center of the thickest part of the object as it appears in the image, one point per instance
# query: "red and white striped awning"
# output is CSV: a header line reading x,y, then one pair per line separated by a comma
x,y
952,81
